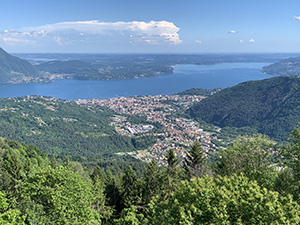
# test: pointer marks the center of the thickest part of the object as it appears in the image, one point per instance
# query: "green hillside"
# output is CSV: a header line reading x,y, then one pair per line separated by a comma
x,y
290,66
15,70
63,127
269,106
199,91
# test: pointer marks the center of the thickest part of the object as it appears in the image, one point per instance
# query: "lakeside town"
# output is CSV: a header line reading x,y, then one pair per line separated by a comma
x,y
177,132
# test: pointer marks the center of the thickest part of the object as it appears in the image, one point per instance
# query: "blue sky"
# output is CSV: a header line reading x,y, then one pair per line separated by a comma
x,y
157,26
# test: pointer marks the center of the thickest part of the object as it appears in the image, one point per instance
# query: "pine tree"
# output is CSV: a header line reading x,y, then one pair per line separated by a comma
x,y
172,172
97,175
130,188
195,162
112,191
151,181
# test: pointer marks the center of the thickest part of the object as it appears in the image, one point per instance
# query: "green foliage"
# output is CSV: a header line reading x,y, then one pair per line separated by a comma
x,y
223,200
251,156
195,162
113,192
171,173
268,106
130,216
62,195
18,161
9,216
291,158
131,189
151,181
291,153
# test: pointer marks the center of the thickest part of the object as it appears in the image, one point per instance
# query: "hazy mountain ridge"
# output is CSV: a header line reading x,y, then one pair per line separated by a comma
x,y
286,67
16,70
270,106
129,66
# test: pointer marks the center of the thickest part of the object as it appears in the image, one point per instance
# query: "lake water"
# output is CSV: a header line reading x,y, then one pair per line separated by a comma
x,y
184,77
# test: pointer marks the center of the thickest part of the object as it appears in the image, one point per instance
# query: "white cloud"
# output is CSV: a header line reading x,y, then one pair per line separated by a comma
x,y
13,41
198,41
296,18
232,32
153,32
58,40
251,40
241,41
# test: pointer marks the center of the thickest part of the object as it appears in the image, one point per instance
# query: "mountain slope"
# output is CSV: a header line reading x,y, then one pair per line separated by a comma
x,y
15,70
270,106
290,66
61,127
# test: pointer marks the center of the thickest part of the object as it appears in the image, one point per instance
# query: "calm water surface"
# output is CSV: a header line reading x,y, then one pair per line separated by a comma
x,y
184,77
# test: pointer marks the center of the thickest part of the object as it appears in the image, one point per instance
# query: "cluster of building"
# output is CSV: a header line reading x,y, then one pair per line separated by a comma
x,y
177,133
123,127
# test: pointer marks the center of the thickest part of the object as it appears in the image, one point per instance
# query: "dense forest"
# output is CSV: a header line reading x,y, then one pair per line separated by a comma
x,y
64,128
268,106
252,181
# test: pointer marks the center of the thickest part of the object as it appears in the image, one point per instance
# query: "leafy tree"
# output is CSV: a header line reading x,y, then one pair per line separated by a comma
x,y
98,192
12,169
291,153
291,158
130,216
285,183
251,156
224,200
60,196
195,162
9,216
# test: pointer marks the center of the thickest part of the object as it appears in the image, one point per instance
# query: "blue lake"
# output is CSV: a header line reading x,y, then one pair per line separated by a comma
x,y
184,77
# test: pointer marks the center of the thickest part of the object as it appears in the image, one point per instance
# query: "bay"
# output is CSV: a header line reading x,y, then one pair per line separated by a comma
x,y
184,77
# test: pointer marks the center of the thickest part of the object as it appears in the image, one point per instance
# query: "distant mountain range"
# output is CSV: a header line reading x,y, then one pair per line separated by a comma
x,y
268,106
290,67
16,70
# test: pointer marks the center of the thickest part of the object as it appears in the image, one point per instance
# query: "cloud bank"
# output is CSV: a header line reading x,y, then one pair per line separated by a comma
x,y
296,18
153,32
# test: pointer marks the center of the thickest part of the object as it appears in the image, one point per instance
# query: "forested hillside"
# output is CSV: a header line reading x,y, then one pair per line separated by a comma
x,y
15,70
286,67
241,186
269,106
199,91
63,127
